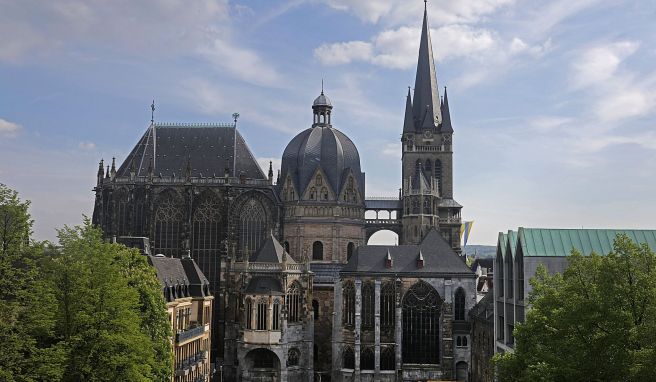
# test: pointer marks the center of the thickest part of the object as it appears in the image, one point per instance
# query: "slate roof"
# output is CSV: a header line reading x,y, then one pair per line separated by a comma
x,y
323,146
172,271
270,252
426,101
560,242
383,203
439,259
484,309
209,148
487,262
264,285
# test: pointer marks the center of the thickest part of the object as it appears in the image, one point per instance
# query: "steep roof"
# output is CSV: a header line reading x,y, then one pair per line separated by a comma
x,y
439,259
172,271
209,149
264,285
270,252
560,242
426,100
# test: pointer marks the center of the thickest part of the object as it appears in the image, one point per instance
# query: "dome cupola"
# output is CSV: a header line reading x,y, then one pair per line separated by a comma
x,y
321,108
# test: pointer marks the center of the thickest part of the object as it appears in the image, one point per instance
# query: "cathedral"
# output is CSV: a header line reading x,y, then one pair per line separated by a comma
x,y
298,293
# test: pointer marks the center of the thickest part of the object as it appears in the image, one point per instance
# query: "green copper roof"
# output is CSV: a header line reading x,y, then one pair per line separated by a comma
x,y
503,243
512,243
560,242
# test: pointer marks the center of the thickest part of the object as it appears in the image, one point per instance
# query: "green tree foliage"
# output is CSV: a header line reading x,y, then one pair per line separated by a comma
x,y
87,310
594,322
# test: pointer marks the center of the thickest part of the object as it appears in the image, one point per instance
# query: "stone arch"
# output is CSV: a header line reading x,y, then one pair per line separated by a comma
x,y
462,371
262,363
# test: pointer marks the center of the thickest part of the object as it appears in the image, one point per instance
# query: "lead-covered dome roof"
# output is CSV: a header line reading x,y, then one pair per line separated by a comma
x,y
325,147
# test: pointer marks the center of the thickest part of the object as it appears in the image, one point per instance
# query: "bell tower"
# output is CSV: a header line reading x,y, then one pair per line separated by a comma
x,y
427,156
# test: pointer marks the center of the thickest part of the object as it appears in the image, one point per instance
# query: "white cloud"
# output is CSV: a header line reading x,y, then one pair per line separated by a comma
x,y
549,124
391,150
87,146
344,52
9,129
598,64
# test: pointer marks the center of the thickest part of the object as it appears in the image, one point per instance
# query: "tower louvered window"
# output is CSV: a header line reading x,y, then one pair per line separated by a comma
x,y
349,304
368,299
420,325
387,306
262,314
205,243
252,224
438,175
168,224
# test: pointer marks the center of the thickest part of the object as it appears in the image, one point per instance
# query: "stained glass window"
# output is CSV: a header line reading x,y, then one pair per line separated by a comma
x,y
420,325
168,224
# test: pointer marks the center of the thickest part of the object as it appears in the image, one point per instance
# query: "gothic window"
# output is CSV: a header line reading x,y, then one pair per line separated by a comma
x,y
427,207
317,250
428,167
291,194
420,325
387,359
324,193
275,324
418,166
458,341
294,303
464,341
168,224
438,174
121,206
459,302
140,208
293,357
387,306
313,193
367,359
248,317
319,180
262,314
252,223
368,299
348,358
349,251
349,304
315,309
206,225
415,206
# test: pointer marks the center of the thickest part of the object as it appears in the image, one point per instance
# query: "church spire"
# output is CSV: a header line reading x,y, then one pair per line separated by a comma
x,y
408,123
426,98
446,115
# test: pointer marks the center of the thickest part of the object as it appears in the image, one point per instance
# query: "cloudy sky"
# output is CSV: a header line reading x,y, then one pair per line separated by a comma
x,y
553,102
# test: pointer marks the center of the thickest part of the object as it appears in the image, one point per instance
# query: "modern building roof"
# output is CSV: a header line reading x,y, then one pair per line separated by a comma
x,y
204,149
438,259
552,242
325,147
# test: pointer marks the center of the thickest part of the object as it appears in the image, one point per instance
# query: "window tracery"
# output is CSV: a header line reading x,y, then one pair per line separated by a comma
x,y
294,303
168,224
348,295
368,306
420,325
252,225
387,306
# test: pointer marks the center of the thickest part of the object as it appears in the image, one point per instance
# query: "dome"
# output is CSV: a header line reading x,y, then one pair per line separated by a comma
x,y
322,100
321,146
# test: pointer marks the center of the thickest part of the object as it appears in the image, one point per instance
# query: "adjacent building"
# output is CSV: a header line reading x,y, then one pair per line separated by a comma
x,y
189,305
482,339
520,252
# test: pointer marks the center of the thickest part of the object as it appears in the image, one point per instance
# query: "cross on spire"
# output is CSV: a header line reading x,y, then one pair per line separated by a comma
x,y
152,112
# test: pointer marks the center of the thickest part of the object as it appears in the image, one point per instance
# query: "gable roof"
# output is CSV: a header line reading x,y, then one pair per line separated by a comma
x,y
172,271
439,259
560,242
209,149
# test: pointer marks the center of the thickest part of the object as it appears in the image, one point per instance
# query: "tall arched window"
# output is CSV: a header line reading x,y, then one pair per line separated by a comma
x,y
438,174
418,166
387,359
459,302
420,325
317,250
294,303
139,227
262,314
348,358
205,243
248,314
349,304
368,306
275,324
349,251
168,224
367,361
252,225
428,167
121,205
387,306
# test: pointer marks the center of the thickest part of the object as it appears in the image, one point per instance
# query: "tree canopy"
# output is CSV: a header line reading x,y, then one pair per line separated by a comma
x,y
594,322
85,310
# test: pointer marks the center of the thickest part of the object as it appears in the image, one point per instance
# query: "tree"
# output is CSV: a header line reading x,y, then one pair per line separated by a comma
x,y
594,322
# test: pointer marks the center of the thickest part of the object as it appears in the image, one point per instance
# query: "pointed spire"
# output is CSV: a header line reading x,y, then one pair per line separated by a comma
x,y
426,92
408,122
446,115
101,167
270,170
107,173
112,173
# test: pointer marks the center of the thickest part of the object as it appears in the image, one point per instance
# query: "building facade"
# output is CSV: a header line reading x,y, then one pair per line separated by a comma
x,y
520,252
189,305
482,339
197,189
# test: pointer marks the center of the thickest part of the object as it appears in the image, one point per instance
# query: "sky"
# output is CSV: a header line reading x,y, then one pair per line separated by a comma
x,y
553,103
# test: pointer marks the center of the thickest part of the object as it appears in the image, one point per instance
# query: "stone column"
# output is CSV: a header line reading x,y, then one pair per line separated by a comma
x,y
358,323
398,329
377,328
447,331
337,330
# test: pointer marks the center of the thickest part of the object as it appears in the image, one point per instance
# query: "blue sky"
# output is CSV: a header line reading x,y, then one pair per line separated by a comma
x,y
553,102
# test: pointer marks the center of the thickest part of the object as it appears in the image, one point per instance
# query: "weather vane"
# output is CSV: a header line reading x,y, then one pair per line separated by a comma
x,y
152,112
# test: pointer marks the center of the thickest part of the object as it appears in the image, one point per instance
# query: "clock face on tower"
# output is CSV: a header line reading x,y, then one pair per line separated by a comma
x,y
428,134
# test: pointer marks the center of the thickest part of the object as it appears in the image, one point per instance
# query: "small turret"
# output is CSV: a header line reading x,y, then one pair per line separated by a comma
x,y
101,172
112,173
270,172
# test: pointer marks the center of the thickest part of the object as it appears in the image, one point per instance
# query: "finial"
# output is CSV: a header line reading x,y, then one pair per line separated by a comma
x,y
322,86
425,4
152,112
235,117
